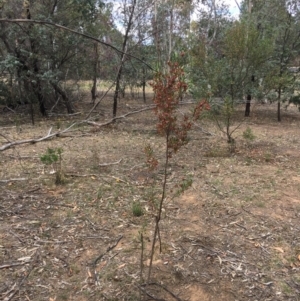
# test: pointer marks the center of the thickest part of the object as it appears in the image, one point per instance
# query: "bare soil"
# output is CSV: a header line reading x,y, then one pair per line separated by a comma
x,y
234,234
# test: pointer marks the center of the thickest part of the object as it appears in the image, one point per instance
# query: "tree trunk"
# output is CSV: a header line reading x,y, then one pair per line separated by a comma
x,y
36,82
94,89
248,104
278,106
144,84
123,56
95,75
117,90
37,88
278,111
65,98
32,113
144,91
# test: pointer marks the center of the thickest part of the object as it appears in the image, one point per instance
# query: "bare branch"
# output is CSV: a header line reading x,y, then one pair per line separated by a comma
x,y
96,104
119,117
100,257
50,135
35,140
238,5
75,32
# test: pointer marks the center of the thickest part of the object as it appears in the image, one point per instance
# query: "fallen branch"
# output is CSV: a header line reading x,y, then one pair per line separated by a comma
x,y
163,287
12,180
107,250
50,135
100,257
35,140
151,107
119,180
67,115
119,117
81,176
9,265
149,295
112,163
11,293
97,103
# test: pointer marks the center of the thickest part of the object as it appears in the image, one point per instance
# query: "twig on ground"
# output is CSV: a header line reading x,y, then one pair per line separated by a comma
x,y
11,293
5,137
81,176
17,236
13,180
10,265
61,205
203,130
100,257
119,180
161,286
112,163
107,250
67,115
34,190
149,295
167,290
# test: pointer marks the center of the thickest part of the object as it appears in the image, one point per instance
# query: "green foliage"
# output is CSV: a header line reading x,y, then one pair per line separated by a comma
x,y
185,184
226,70
268,157
53,157
223,114
295,100
137,209
248,134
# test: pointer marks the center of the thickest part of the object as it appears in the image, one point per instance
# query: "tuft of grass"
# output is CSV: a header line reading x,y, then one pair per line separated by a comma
x,y
268,157
286,288
137,209
103,190
184,185
260,204
248,134
217,152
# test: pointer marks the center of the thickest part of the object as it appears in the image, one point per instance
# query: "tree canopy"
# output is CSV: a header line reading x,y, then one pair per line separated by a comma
x,y
47,45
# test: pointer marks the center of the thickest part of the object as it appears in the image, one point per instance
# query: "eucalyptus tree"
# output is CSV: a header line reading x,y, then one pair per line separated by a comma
x,y
225,54
170,26
128,13
205,42
278,21
42,57
135,73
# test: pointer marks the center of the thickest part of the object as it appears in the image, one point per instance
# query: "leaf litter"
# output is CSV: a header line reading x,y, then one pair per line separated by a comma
x,y
234,234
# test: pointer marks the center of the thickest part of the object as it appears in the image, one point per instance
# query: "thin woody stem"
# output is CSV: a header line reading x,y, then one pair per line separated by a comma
x,y
158,217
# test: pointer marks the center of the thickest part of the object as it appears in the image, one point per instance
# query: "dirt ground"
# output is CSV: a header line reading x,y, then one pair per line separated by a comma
x,y
233,234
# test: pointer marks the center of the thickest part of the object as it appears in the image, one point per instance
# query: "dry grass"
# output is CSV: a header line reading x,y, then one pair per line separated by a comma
x,y
233,235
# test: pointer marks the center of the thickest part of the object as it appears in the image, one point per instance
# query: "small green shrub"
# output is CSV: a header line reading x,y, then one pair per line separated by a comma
x,y
137,209
53,157
184,185
248,134
268,157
